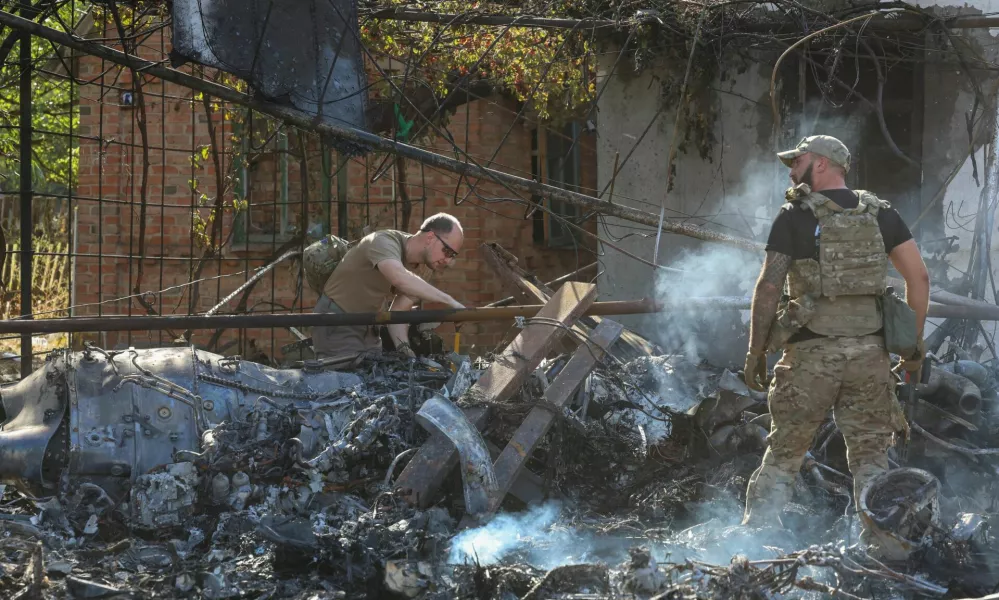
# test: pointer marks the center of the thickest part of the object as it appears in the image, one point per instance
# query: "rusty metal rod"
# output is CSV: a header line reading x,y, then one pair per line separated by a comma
x,y
884,21
455,20
447,315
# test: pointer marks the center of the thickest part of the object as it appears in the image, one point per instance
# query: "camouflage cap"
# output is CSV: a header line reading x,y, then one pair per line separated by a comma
x,y
823,145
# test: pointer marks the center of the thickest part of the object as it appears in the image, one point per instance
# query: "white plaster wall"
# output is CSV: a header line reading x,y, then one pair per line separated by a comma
x,y
737,192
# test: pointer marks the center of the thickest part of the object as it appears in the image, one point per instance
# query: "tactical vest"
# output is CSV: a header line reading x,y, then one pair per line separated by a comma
x,y
852,267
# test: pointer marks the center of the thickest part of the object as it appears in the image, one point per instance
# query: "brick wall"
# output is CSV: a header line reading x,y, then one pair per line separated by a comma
x,y
108,203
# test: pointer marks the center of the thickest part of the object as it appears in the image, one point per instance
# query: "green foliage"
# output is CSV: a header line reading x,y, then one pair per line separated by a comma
x,y
54,115
553,70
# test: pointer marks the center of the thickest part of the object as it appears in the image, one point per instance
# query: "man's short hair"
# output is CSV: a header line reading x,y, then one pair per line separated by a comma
x,y
441,223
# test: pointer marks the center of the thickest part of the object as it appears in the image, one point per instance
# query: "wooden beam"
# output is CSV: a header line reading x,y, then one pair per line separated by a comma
x,y
530,290
425,473
510,463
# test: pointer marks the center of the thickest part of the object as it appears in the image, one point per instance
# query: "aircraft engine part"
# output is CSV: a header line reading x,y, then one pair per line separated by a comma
x,y
111,417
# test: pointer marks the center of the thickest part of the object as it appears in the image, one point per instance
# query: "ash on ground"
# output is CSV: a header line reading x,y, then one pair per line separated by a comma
x,y
289,490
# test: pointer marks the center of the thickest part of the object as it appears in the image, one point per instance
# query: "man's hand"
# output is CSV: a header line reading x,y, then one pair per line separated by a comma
x,y
405,349
427,327
755,371
913,363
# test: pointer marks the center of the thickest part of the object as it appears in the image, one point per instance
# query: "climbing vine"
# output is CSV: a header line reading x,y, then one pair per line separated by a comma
x,y
553,70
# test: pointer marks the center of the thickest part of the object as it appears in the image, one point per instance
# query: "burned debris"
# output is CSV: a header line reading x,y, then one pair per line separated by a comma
x,y
173,472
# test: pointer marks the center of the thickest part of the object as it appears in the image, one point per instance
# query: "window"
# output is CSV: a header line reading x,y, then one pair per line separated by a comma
x,y
274,183
556,154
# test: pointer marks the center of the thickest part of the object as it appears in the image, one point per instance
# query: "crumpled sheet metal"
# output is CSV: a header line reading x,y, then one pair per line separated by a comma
x,y
477,475
130,411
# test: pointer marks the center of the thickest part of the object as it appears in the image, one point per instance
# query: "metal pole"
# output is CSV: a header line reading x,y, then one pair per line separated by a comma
x,y
342,182
26,197
897,22
449,315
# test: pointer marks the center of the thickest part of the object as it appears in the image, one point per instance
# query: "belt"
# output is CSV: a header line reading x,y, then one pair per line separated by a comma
x,y
804,334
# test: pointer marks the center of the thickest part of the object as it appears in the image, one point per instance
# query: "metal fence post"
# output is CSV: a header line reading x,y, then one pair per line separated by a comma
x,y
26,195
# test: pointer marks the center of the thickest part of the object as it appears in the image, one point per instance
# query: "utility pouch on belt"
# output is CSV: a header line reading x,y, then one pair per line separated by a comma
x,y
792,315
899,324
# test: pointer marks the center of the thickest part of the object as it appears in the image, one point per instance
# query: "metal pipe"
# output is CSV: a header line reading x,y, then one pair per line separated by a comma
x,y
899,22
957,391
444,315
27,226
448,315
256,276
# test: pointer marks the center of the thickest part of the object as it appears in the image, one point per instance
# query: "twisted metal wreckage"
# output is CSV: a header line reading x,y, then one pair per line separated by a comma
x,y
189,471
177,471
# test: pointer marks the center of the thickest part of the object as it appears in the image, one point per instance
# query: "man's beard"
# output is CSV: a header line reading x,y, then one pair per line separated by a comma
x,y
806,177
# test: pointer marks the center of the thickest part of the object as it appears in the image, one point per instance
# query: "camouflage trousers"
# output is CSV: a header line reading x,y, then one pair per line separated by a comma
x,y
851,376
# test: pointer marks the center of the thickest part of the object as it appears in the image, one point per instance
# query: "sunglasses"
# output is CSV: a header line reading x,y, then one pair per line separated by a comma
x,y
449,252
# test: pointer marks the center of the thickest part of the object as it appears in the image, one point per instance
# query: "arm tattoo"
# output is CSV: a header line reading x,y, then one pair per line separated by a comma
x,y
765,298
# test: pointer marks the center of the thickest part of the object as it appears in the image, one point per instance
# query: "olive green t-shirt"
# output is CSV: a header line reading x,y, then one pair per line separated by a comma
x,y
356,284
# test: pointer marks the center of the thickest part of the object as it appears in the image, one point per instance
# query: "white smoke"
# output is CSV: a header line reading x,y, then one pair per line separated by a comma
x,y
717,270
538,537
488,544
541,538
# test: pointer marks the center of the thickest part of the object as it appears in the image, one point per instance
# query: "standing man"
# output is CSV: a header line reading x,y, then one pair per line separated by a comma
x,y
832,245
375,275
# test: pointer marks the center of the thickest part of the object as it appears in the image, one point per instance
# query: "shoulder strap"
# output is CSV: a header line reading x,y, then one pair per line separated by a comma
x,y
820,205
871,201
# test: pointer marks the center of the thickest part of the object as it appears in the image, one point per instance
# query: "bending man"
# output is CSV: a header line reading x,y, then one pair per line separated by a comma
x,y
832,246
375,275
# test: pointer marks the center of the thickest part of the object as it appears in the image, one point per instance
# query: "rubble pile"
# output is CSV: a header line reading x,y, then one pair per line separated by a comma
x,y
175,473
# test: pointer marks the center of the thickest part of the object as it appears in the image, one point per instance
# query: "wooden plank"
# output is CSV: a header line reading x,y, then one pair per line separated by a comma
x,y
528,487
425,473
530,290
516,282
511,461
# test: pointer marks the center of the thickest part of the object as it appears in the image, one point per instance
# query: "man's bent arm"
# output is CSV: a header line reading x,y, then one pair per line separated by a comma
x,y
766,295
399,332
909,263
411,285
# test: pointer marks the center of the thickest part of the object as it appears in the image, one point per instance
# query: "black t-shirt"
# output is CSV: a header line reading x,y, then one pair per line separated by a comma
x,y
793,231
